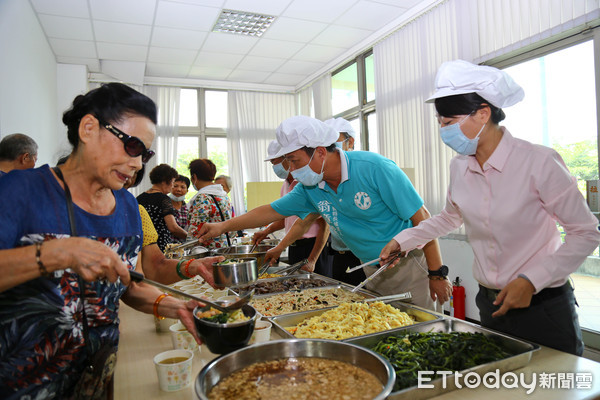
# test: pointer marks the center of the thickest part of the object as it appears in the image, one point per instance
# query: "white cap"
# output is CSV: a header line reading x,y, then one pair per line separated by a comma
x,y
341,125
460,77
272,150
301,131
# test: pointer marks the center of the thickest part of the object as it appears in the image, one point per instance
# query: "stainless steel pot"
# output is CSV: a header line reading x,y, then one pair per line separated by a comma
x,y
243,251
361,357
236,274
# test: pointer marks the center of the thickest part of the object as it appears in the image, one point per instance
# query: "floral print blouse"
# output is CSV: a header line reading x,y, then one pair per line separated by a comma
x,y
204,209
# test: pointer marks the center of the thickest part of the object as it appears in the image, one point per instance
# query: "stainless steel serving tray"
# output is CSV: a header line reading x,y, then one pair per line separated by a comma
x,y
521,350
281,322
305,276
366,294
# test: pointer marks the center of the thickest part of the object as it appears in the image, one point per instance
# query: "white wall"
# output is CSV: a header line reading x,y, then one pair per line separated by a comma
x,y
28,87
71,82
458,256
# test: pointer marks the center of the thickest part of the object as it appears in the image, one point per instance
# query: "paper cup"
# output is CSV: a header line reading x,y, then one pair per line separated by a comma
x,y
174,369
181,338
262,332
163,325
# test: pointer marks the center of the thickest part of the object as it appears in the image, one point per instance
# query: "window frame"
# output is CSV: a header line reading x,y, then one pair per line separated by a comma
x,y
364,107
202,132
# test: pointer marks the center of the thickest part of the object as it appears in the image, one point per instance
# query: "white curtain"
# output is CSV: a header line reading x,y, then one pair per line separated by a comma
x,y
405,68
167,130
508,25
322,97
253,119
304,99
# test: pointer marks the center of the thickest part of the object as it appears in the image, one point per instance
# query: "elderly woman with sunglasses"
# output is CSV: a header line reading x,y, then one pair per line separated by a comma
x,y
70,235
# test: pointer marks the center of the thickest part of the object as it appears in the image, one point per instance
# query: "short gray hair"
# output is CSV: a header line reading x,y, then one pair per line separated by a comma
x,y
13,146
227,180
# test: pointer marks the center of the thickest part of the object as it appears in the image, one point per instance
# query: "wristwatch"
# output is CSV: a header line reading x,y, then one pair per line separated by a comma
x,y
440,273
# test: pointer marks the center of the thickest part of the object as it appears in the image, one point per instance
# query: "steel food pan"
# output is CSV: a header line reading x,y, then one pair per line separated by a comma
x,y
365,294
290,320
522,351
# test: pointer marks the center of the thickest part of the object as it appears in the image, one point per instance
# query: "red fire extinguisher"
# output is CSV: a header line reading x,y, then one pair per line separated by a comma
x,y
457,302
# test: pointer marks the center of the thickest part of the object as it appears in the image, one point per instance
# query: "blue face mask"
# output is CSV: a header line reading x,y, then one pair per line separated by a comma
x,y
454,138
280,171
307,176
340,145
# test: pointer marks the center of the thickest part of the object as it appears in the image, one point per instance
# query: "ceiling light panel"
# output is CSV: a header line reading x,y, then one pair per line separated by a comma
x,y
243,23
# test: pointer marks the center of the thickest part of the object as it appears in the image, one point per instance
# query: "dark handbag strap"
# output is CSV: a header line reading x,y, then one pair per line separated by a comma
x,y
222,217
84,320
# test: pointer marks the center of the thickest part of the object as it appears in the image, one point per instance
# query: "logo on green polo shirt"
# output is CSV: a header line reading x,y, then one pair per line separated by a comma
x,y
362,200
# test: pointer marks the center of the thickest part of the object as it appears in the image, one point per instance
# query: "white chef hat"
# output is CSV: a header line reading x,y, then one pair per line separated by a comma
x,y
272,150
301,131
460,77
341,125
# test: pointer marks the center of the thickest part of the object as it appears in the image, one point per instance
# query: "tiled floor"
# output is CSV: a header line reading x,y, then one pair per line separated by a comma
x,y
587,292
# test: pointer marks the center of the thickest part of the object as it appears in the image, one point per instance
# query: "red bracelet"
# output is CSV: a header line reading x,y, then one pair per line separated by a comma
x,y
156,303
186,268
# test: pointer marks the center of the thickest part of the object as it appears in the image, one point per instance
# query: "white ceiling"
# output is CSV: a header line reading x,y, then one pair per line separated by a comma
x,y
170,41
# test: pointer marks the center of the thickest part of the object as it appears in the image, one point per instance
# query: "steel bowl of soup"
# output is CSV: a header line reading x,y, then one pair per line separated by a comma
x,y
295,370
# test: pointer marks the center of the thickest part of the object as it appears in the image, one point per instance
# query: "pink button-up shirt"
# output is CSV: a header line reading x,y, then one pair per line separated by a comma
x,y
510,209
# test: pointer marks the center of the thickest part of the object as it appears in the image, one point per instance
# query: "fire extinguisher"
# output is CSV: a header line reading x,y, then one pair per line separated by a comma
x,y
457,302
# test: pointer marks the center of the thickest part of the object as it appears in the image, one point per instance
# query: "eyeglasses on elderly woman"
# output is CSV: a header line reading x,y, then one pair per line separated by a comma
x,y
133,146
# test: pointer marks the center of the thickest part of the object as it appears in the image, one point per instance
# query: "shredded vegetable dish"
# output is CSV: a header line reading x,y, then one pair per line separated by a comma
x,y
437,351
350,320
305,300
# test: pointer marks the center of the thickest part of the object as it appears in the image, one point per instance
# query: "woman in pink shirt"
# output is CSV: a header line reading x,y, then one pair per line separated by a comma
x,y
510,194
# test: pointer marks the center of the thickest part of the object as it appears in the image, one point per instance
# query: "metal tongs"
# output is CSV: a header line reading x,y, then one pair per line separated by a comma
x,y
398,296
191,243
137,277
379,271
292,268
374,261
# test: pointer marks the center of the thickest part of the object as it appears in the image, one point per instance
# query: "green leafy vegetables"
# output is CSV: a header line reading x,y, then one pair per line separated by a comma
x,y
218,318
436,351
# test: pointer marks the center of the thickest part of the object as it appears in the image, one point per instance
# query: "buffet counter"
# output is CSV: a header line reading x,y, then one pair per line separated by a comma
x,y
135,375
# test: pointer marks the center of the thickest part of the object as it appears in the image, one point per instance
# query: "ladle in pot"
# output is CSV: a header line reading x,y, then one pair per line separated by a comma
x,y
137,277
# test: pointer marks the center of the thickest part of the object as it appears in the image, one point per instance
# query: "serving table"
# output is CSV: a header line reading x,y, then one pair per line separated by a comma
x,y
135,375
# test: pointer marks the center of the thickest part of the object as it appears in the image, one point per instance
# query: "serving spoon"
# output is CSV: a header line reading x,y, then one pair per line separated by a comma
x,y
239,303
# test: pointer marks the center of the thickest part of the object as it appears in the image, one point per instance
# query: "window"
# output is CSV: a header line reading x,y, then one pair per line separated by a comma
x,y
344,89
216,109
202,130
353,98
188,107
559,111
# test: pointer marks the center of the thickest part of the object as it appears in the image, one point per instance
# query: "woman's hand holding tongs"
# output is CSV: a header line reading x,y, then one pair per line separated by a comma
x,y
389,254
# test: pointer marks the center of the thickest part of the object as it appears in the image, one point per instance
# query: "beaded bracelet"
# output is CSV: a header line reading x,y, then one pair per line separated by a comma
x,y
38,253
178,269
156,303
186,269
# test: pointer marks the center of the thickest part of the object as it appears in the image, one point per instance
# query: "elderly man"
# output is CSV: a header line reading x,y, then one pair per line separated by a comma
x,y
307,244
17,151
224,181
365,198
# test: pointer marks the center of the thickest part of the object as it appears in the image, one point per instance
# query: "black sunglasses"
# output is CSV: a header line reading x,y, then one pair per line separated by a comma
x,y
133,146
